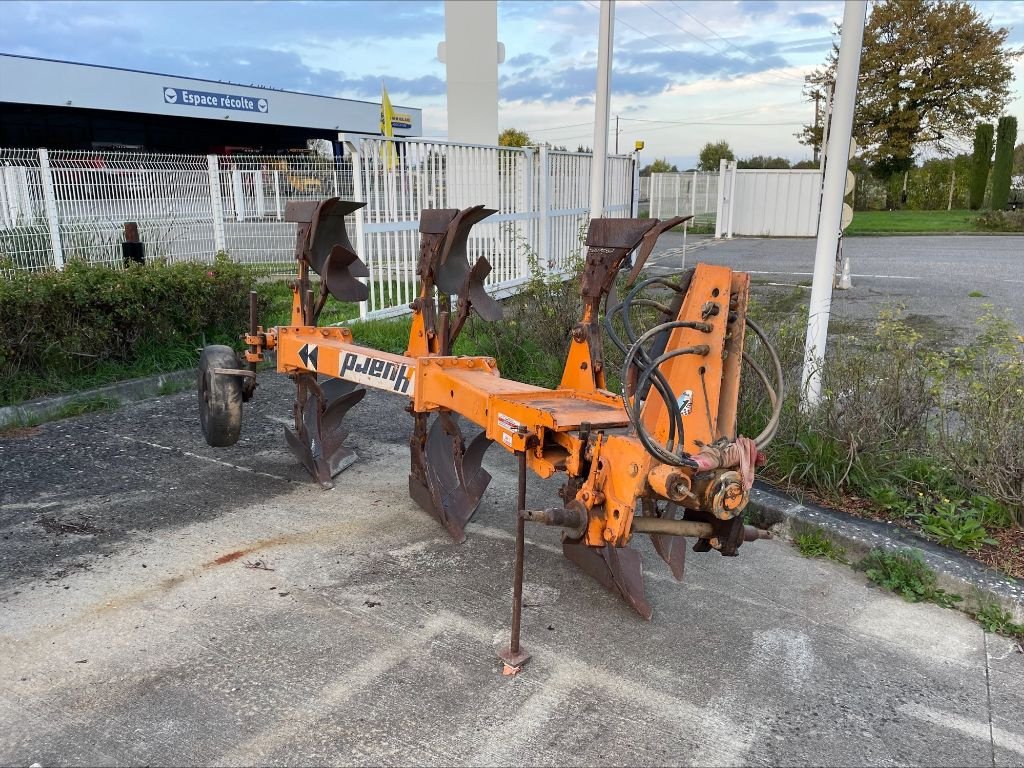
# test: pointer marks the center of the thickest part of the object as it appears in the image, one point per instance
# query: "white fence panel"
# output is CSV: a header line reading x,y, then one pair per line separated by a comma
x,y
776,203
684,194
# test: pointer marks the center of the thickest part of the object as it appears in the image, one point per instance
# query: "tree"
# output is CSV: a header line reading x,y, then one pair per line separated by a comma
x,y
763,161
1002,167
712,153
980,162
805,165
661,165
929,72
512,137
587,150
1018,160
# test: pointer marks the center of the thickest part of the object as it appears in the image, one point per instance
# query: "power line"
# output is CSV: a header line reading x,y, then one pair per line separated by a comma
x,y
620,20
691,34
701,120
729,42
562,127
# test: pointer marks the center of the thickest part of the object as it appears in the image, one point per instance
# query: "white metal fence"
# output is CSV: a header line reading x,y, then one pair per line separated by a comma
x,y
685,194
56,206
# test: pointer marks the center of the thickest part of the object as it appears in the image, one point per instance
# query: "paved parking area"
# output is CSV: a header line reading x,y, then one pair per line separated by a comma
x,y
166,603
933,277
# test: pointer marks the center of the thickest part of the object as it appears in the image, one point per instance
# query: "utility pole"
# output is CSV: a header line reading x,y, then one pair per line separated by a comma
x,y
602,97
616,134
844,98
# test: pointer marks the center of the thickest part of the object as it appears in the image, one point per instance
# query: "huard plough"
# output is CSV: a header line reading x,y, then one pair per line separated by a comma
x,y
661,458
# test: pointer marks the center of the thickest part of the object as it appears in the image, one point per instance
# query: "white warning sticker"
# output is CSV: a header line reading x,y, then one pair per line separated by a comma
x,y
506,438
507,422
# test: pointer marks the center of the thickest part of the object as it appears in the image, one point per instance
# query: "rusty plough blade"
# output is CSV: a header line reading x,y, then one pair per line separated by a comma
x,y
671,549
340,274
447,479
618,569
318,437
453,270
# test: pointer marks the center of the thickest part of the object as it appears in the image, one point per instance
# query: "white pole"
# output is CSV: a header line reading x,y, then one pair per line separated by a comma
x,y
50,206
720,205
732,197
838,151
602,97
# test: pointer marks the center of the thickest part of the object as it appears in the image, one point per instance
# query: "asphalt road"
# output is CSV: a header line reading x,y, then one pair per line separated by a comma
x,y
165,603
933,277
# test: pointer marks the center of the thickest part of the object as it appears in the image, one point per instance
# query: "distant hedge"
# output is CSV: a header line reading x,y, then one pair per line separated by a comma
x,y
56,327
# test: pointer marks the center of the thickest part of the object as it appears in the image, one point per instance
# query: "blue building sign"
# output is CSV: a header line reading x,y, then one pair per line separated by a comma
x,y
186,97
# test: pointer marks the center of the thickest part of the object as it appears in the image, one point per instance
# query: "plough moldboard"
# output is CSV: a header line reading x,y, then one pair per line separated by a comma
x,y
662,458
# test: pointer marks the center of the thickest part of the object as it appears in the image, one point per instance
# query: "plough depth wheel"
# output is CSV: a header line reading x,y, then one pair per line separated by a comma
x,y
220,396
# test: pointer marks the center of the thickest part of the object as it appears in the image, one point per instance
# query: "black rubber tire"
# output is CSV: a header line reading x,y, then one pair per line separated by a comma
x,y
220,397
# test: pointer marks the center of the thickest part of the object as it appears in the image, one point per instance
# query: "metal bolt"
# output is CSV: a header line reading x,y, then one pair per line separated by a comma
x,y
608,535
633,470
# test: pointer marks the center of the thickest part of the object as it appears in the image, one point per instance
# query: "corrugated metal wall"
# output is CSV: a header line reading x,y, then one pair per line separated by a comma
x,y
776,203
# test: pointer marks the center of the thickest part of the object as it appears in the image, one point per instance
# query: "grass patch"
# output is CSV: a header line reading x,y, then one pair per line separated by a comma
x,y
976,295
66,411
912,222
814,544
905,573
390,335
172,387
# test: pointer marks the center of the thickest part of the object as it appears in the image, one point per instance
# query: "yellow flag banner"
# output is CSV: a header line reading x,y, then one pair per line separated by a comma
x,y
387,116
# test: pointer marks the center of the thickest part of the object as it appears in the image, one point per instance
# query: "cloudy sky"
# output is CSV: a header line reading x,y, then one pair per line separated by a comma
x,y
685,71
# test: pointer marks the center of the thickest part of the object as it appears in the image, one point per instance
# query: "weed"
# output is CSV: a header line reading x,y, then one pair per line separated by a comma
x,y
998,621
905,573
976,295
815,544
954,527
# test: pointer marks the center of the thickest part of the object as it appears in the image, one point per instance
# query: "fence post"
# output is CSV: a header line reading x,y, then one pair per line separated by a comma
x,y
257,188
239,194
544,251
528,202
216,204
357,194
277,194
693,196
732,198
635,208
50,206
720,203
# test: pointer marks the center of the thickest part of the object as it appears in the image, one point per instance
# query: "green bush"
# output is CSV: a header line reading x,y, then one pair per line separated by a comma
x,y
70,328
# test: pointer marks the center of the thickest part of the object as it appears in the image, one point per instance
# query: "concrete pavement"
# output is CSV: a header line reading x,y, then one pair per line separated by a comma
x,y
167,603
934,277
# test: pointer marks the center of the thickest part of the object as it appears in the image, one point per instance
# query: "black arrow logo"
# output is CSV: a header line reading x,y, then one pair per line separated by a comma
x,y
308,355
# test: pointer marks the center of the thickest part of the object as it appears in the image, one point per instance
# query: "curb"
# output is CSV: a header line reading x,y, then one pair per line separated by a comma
x,y
123,392
957,573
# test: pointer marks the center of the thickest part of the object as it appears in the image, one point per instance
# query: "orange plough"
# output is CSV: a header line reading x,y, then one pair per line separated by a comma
x,y
662,457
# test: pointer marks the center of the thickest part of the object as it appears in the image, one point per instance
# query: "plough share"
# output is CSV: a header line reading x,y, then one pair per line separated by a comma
x,y
661,458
